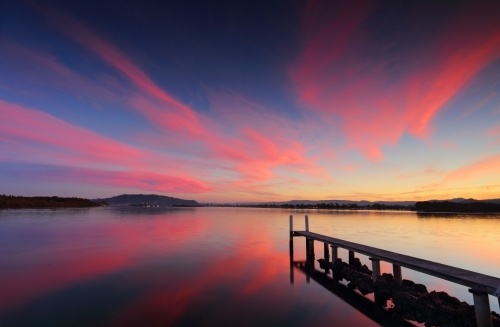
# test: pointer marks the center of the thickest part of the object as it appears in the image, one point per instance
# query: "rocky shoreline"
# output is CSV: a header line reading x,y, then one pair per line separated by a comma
x,y
411,301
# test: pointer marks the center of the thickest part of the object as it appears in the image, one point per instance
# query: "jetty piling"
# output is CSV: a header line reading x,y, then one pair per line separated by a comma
x,y
375,269
482,308
335,252
326,252
351,257
480,285
310,246
291,251
396,270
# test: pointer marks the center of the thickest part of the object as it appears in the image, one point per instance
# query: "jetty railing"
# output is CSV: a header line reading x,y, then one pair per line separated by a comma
x,y
480,285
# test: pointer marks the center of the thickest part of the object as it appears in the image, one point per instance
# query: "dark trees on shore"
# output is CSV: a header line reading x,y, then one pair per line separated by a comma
x,y
19,202
448,206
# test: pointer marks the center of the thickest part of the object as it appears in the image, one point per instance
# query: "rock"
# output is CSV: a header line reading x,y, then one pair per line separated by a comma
x,y
409,315
411,301
382,284
356,263
383,293
338,265
366,270
365,287
444,299
406,300
323,264
420,288
407,282
387,277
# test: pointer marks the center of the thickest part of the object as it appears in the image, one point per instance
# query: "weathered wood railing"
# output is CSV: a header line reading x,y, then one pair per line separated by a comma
x,y
480,285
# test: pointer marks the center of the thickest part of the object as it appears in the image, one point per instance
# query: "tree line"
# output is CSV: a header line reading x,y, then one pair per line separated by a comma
x,y
19,202
332,206
448,206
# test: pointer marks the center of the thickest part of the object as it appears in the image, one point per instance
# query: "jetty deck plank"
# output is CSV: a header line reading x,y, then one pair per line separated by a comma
x,y
474,280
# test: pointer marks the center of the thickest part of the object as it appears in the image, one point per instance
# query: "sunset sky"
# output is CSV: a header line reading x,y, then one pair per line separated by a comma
x,y
223,101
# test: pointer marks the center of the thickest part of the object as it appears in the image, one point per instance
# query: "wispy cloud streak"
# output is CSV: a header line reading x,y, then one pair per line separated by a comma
x,y
332,76
253,153
29,135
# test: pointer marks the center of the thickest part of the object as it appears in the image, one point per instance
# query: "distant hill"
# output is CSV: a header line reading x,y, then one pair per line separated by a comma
x,y
457,206
137,199
462,200
361,203
21,202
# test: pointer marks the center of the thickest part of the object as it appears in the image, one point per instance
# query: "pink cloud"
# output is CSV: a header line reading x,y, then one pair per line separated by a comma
x,y
171,112
494,131
461,61
331,77
30,135
253,154
487,166
139,180
262,142
35,128
484,167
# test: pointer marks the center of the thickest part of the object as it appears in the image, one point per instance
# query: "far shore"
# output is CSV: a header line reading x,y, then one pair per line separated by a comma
x,y
40,202
421,207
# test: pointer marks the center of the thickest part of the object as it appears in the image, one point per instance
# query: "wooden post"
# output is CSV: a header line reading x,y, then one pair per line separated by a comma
x,y
326,253
291,261
310,258
375,269
335,253
380,303
291,226
351,257
482,308
398,276
311,247
307,223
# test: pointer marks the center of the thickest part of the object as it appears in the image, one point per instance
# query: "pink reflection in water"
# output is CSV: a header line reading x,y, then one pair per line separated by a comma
x,y
197,267
82,250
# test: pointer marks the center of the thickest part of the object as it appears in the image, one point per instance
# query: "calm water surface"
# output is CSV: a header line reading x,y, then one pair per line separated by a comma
x,y
209,266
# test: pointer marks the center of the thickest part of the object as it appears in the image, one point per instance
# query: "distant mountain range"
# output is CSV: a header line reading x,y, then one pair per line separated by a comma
x,y
151,199
462,200
366,203
167,201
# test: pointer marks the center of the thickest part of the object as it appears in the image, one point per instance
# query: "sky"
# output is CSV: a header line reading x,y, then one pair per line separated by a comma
x,y
235,101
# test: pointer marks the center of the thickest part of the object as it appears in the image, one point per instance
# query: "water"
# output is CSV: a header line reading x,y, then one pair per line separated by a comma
x,y
209,266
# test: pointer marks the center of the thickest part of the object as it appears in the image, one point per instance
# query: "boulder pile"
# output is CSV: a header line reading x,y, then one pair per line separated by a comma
x,y
411,301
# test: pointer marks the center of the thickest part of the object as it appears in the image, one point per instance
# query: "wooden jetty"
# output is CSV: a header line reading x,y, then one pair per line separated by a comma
x,y
480,285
